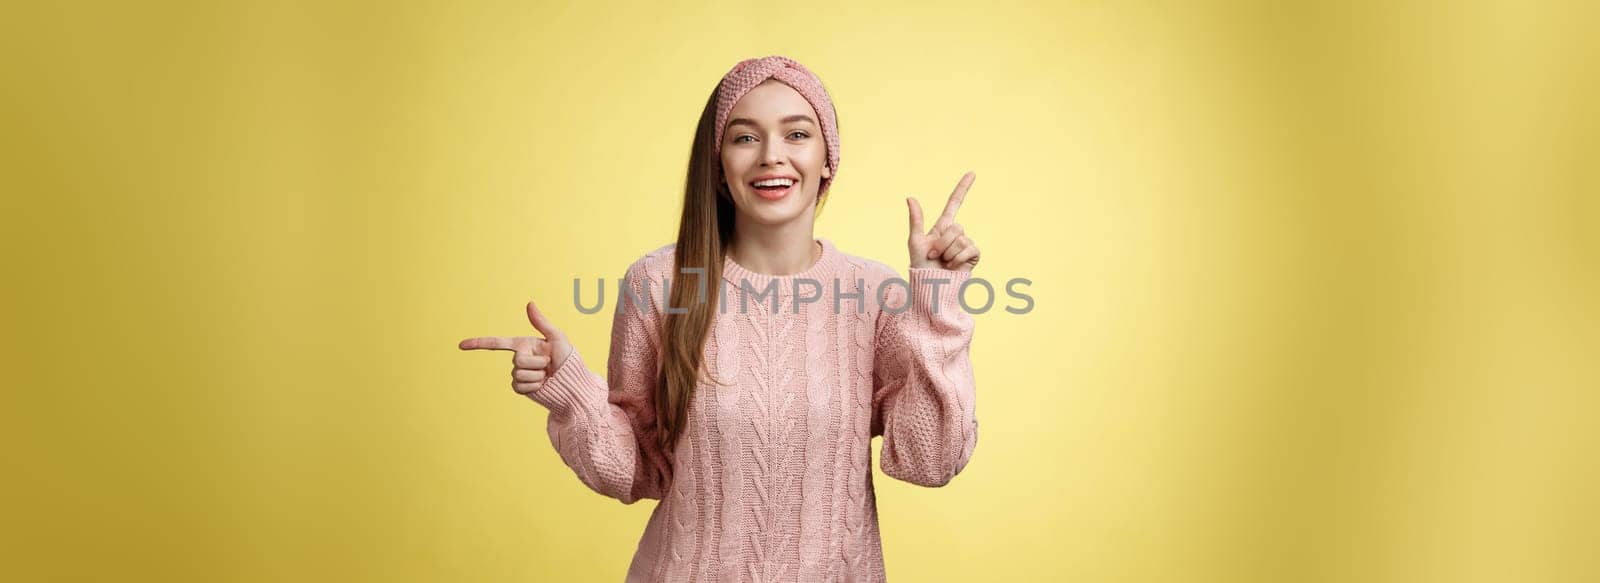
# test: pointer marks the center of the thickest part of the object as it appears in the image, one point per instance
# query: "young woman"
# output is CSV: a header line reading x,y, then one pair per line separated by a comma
x,y
748,408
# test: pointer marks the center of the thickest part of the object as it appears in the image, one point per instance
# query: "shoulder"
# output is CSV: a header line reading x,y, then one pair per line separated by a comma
x,y
654,265
866,268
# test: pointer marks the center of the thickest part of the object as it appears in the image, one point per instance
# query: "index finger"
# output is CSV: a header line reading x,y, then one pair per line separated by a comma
x,y
956,196
489,343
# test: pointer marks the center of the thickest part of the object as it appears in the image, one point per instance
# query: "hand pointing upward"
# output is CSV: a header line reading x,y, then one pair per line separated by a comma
x,y
946,246
534,359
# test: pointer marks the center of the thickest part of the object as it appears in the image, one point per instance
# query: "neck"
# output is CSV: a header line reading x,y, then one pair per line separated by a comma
x,y
775,250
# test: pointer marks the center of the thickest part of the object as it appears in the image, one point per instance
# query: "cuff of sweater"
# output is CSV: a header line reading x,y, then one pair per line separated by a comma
x,y
573,388
935,290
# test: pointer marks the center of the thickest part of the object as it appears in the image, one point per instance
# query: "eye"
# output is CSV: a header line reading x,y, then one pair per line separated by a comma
x,y
802,134
739,139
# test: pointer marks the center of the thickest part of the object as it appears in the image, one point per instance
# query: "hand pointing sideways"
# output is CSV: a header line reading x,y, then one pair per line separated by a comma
x,y
533,359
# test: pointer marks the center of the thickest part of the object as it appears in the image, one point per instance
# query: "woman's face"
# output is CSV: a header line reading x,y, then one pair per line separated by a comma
x,y
773,133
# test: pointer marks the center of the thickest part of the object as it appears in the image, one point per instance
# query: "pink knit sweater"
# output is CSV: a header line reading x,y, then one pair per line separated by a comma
x,y
771,480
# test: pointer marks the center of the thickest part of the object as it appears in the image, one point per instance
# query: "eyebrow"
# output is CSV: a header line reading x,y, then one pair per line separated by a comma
x,y
792,118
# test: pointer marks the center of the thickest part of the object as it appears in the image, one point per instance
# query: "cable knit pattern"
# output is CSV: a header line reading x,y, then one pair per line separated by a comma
x,y
772,478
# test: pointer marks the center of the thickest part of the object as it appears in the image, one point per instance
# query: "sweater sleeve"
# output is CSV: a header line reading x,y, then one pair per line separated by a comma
x,y
606,431
923,385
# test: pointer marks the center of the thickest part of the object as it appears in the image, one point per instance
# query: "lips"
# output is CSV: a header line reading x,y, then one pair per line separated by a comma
x,y
773,192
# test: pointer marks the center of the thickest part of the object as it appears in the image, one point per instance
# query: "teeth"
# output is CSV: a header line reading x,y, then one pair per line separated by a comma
x,y
775,182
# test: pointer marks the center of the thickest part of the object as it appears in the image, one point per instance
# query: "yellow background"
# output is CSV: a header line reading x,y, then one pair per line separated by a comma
x,y
1316,286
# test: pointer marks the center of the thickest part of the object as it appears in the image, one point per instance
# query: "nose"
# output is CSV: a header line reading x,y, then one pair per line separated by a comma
x,y
772,154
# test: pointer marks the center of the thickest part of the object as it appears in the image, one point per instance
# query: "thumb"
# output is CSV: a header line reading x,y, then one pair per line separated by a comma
x,y
541,323
916,214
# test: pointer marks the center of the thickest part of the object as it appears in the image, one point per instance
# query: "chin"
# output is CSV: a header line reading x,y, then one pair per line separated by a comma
x,y
776,216
774,212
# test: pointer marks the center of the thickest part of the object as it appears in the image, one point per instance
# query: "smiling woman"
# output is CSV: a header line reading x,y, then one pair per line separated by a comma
x,y
753,428
759,138
793,131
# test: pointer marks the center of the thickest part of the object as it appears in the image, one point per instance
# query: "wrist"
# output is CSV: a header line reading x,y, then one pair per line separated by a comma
x,y
935,289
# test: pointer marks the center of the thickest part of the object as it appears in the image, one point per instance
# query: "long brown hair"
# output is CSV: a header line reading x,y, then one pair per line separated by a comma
x,y
704,231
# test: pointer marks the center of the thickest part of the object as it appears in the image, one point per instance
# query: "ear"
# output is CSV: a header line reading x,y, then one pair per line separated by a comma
x,y
826,172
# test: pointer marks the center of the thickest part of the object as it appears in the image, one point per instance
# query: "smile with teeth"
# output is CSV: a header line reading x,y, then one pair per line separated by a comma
x,y
773,188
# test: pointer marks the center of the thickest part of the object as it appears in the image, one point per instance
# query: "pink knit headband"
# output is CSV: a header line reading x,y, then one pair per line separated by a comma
x,y
752,72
